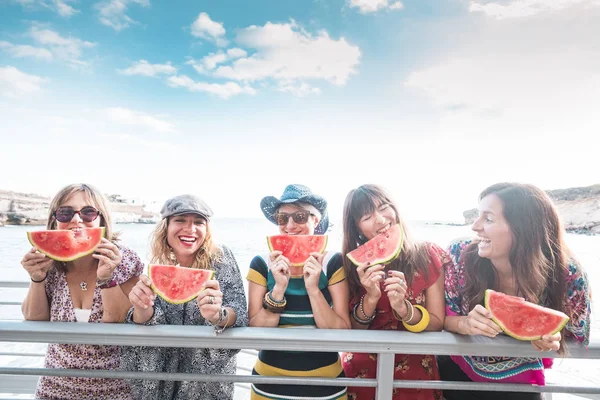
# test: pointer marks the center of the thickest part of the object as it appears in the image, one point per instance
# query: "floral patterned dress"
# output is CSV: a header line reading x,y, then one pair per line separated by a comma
x,y
515,369
406,366
83,356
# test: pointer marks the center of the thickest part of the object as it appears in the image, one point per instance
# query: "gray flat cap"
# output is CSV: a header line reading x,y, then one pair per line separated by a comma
x,y
186,204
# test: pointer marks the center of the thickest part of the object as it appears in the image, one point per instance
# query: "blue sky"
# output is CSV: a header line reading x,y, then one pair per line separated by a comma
x,y
232,100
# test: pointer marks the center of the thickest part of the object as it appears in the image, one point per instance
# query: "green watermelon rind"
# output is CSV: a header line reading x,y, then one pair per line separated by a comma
x,y
506,330
392,256
167,298
300,264
65,259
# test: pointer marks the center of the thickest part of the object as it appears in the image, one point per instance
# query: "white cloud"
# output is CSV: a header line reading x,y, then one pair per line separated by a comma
x,y
371,6
64,9
68,49
301,90
15,83
211,61
127,116
287,52
205,28
224,90
113,12
143,68
524,8
59,6
22,51
236,53
534,80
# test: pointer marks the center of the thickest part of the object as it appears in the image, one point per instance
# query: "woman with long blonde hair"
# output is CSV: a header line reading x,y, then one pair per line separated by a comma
x,y
184,238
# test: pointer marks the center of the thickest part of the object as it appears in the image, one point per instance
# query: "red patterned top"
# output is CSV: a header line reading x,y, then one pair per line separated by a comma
x,y
407,366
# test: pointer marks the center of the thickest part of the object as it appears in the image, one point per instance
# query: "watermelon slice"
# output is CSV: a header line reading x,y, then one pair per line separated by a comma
x,y
521,319
381,249
177,284
297,248
66,245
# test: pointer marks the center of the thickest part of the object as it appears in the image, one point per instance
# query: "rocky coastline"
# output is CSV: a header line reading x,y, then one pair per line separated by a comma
x,y
578,207
32,209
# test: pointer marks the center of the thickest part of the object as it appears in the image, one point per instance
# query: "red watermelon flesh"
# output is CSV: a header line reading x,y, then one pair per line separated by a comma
x,y
66,245
381,249
521,319
177,284
297,248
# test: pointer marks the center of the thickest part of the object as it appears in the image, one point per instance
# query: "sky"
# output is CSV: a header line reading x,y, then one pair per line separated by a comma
x,y
233,100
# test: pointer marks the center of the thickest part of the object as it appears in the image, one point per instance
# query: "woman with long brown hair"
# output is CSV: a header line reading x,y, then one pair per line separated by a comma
x,y
91,289
184,237
406,294
519,250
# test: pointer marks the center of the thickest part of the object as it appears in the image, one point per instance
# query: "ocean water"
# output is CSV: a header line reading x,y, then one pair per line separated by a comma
x,y
246,238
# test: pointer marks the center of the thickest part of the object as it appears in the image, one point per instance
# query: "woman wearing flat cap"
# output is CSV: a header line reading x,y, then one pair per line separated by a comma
x,y
315,295
183,237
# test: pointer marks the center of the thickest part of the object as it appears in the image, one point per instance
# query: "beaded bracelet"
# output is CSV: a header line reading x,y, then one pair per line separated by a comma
x,y
362,310
272,305
358,319
422,324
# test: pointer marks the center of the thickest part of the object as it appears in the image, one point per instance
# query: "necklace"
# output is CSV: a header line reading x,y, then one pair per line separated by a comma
x,y
83,284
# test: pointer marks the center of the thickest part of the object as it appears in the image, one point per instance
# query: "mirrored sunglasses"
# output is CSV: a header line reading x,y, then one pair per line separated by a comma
x,y
66,214
299,217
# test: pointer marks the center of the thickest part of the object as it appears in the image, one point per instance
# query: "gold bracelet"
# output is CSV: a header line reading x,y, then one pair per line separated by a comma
x,y
409,308
422,324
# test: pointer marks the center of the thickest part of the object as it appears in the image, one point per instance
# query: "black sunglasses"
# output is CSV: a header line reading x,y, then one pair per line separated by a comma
x,y
66,214
299,217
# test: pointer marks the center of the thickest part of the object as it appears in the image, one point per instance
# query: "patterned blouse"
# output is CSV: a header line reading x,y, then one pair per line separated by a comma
x,y
83,355
519,369
406,366
189,360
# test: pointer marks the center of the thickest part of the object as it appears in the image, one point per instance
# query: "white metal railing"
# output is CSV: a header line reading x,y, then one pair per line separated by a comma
x,y
383,343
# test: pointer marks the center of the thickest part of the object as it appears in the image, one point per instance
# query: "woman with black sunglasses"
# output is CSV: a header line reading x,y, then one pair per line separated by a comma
x,y
91,289
314,295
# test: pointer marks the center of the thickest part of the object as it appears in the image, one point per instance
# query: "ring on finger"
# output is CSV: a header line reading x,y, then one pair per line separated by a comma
x,y
211,300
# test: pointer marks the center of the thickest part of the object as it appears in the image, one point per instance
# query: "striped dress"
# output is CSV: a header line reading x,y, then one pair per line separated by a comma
x,y
298,313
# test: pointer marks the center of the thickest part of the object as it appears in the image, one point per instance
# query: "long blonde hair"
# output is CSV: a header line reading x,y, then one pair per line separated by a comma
x,y
97,200
161,252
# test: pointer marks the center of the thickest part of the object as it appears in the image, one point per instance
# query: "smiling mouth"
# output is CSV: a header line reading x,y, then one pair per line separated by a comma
x,y
187,239
384,229
483,242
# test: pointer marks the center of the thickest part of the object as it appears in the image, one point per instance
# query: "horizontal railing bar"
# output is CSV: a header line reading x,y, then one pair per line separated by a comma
x,y
439,343
164,376
355,382
16,354
14,284
10,303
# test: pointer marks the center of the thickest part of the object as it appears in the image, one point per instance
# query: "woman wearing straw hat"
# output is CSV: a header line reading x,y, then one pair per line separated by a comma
x,y
184,237
315,295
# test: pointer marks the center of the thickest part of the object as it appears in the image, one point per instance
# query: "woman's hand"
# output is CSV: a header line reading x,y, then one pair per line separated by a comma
x,y
547,343
142,296
370,276
479,322
395,288
210,301
36,264
109,257
312,271
280,268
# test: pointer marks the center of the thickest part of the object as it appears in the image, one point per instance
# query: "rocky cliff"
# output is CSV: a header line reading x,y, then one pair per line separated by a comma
x,y
578,207
32,209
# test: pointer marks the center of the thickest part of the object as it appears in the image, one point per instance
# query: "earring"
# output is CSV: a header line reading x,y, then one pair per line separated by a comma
x,y
172,256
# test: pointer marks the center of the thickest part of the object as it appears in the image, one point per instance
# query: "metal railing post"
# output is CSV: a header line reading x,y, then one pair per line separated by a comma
x,y
385,376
